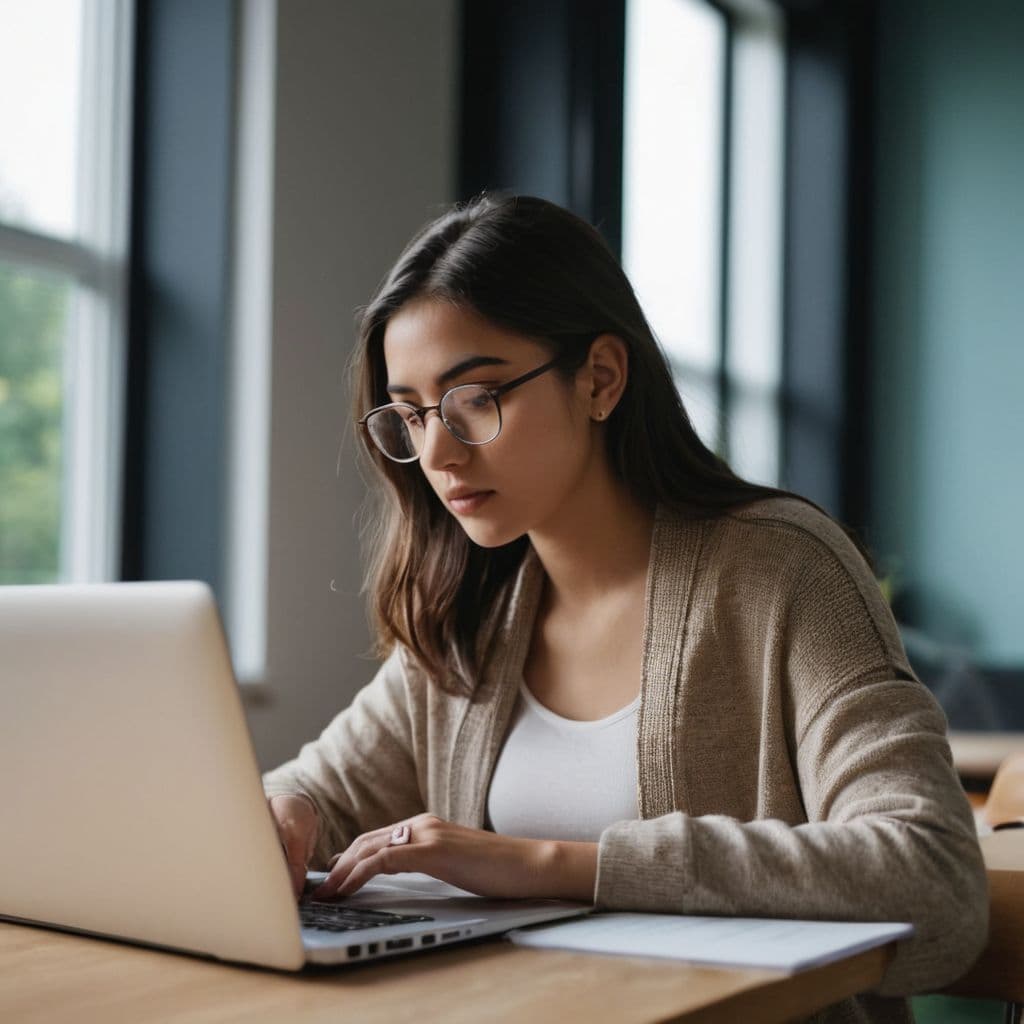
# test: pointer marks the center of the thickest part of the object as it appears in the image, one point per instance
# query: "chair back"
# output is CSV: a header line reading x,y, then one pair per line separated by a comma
x,y
1005,801
999,971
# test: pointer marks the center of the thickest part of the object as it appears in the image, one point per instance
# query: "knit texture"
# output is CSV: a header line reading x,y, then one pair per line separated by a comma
x,y
789,763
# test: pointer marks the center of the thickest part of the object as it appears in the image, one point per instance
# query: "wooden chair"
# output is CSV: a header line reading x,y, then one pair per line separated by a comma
x,y
1005,802
999,972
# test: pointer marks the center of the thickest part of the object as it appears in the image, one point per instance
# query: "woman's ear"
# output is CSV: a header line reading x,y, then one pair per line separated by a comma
x,y
607,370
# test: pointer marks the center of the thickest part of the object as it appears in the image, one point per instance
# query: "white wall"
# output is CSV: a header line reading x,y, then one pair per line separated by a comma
x,y
365,118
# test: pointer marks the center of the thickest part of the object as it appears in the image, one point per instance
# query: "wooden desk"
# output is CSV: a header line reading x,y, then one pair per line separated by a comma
x,y
53,977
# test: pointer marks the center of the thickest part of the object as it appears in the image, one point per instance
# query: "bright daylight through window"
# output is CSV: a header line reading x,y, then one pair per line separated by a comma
x,y
702,210
64,76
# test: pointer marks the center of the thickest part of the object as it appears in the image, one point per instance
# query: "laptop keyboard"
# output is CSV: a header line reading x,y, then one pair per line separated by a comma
x,y
332,917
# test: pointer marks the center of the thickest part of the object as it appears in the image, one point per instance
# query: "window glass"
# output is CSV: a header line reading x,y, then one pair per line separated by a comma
x,y
64,196
672,186
687,63
34,315
40,67
754,344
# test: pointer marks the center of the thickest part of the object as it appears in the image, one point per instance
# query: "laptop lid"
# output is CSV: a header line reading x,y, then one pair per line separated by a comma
x,y
132,797
135,795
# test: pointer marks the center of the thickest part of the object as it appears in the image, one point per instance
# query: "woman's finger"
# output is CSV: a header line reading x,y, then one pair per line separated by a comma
x,y
422,827
387,861
365,846
297,824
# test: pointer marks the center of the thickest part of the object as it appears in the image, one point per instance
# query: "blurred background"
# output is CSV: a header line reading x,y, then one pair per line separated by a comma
x,y
818,203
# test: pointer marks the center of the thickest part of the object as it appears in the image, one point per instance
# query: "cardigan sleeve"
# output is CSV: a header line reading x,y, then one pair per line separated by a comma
x,y
360,772
889,834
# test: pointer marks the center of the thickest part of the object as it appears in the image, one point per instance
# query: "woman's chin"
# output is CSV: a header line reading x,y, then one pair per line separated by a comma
x,y
489,535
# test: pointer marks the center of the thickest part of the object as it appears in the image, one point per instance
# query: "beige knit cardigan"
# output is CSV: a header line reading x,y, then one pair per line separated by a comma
x,y
788,761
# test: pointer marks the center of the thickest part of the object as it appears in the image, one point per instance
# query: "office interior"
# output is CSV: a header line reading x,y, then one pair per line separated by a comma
x,y
818,202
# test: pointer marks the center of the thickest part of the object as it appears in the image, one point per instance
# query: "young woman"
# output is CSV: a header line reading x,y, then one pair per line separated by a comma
x,y
615,671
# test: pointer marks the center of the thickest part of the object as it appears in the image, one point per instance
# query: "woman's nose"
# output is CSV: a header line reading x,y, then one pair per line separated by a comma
x,y
440,447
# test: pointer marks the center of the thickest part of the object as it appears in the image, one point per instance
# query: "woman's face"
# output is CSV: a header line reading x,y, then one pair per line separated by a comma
x,y
530,471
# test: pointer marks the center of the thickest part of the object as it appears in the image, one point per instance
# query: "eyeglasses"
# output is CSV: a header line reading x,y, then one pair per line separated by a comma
x,y
470,412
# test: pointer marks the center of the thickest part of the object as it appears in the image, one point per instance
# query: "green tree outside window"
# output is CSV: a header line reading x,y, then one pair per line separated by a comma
x,y
33,324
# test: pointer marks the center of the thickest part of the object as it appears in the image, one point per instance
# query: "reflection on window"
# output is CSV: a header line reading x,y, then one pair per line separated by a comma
x,y
702,209
63,219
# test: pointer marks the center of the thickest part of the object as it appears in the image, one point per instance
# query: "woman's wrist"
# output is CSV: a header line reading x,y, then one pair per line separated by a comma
x,y
568,870
309,800
302,796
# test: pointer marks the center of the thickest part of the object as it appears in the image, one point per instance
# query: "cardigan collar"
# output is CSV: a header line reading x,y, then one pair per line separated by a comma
x,y
675,548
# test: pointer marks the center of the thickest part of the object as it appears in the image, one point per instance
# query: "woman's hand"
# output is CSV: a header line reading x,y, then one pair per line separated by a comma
x,y
480,862
298,826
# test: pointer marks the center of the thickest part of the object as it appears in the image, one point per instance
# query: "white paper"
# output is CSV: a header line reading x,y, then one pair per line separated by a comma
x,y
723,941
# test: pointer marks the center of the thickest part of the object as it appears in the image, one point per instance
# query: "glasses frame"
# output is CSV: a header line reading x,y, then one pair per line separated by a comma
x,y
422,410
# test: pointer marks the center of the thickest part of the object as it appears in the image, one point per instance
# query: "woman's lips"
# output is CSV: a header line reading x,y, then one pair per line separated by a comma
x,y
470,503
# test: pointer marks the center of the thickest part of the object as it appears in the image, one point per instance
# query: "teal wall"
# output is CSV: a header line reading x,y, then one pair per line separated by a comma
x,y
948,360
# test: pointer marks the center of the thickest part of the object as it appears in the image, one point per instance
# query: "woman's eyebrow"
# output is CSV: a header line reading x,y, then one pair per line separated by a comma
x,y
449,375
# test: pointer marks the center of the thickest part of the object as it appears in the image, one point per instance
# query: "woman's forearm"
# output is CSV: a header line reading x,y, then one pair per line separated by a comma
x,y
568,870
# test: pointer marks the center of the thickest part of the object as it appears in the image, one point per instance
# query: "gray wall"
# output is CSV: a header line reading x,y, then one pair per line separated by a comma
x,y
364,154
948,377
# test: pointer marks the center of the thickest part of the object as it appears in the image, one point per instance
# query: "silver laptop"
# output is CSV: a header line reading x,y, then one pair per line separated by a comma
x,y
132,801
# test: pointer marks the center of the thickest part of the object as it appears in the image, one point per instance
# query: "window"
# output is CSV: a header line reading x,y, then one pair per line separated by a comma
x,y
63,227
702,211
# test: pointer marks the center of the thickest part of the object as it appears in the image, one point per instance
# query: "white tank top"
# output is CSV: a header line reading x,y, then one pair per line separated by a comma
x,y
557,778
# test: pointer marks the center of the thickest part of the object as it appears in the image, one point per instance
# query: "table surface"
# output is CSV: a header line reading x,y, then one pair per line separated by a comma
x,y
979,754
49,976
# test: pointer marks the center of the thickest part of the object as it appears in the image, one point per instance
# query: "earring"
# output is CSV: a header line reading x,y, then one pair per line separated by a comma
x,y
600,414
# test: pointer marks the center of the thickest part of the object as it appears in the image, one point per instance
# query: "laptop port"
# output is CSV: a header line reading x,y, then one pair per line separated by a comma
x,y
428,940
354,951
398,944
449,935
371,948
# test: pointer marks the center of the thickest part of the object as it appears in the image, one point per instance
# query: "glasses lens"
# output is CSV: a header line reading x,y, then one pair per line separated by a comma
x,y
398,433
471,414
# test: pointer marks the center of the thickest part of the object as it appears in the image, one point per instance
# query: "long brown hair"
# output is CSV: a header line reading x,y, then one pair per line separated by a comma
x,y
531,267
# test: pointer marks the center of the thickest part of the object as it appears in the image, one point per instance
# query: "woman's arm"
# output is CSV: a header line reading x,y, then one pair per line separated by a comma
x,y
360,773
893,845
479,861
889,835
361,778
572,870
